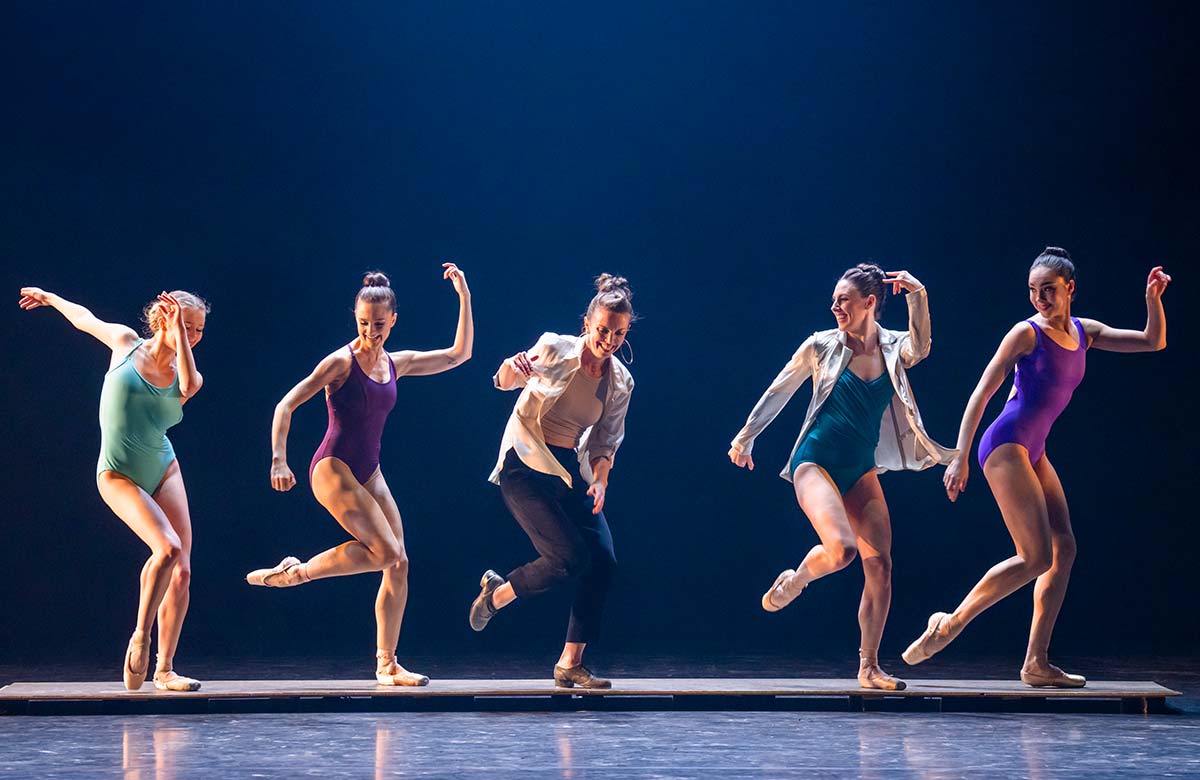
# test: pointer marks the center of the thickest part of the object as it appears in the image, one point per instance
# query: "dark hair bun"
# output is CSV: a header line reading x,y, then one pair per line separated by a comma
x,y
1056,251
376,279
874,271
611,283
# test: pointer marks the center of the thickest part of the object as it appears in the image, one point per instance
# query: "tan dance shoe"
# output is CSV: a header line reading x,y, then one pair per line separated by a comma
x,y
871,674
168,680
777,596
930,643
388,672
1056,678
287,573
135,677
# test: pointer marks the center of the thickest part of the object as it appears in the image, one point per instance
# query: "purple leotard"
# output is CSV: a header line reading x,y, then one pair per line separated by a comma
x,y
1045,379
357,412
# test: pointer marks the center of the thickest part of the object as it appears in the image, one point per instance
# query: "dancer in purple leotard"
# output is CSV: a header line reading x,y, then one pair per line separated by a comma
x,y
360,389
1047,352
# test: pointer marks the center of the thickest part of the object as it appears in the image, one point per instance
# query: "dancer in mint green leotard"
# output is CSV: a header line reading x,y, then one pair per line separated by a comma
x,y
147,384
134,417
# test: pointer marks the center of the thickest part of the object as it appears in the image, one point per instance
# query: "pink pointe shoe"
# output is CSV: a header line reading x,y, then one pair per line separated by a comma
x,y
286,574
388,672
779,595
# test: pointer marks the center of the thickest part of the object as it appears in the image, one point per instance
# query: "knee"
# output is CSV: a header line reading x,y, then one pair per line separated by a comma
x,y
1064,551
390,555
576,561
399,567
1039,560
169,552
842,552
878,569
181,577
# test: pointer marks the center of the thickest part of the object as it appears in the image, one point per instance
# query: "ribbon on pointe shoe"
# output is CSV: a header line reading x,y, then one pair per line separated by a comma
x,y
870,675
388,672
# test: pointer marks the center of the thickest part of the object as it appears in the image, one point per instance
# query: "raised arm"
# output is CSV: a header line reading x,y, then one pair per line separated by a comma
x,y
786,383
1150,339
185,363
413,363
115,337
328,371
916,345
1019,341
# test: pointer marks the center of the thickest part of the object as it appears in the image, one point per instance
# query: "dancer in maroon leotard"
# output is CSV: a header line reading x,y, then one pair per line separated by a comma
x,y
360,389
1047,352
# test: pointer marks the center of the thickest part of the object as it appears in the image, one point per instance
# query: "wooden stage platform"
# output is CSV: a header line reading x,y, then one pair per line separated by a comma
x,y
450,695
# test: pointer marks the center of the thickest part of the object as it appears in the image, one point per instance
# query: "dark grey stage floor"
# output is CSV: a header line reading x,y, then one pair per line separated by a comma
x,y
587,744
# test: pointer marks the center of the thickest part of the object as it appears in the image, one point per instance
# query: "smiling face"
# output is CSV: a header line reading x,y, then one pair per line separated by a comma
x,y
1049,292
605,332
374,322
851,308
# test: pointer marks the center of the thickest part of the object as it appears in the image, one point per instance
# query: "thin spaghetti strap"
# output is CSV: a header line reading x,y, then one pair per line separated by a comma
x,y
136,344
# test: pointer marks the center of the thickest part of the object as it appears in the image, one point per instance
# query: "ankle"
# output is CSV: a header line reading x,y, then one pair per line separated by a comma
x,y
868,658
164,665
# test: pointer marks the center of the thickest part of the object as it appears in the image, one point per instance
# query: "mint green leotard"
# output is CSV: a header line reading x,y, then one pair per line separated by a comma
x,y
134,418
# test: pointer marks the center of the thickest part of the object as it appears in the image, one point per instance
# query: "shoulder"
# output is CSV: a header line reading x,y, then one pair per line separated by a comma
x,y
822,339
621,374
1021,338
126,339
336,362
554,344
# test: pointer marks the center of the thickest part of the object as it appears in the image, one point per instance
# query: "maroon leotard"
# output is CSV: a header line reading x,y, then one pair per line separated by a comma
x,y
357,412
1045,380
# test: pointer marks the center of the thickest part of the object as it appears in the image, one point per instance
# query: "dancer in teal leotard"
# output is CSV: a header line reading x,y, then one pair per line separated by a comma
x,y
147,384
862,420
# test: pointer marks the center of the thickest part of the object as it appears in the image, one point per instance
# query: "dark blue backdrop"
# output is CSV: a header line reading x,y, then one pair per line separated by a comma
x,y
729,158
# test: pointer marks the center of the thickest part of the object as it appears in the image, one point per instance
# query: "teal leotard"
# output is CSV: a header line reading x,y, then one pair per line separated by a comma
x,y
134,418
843,438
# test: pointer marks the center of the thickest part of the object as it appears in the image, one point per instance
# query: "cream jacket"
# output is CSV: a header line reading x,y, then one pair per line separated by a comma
x,y
557,361
903,442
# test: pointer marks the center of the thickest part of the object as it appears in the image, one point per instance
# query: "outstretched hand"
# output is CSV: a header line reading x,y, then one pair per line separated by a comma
x,y
1156,283
901,280
33,297
741,458
457,278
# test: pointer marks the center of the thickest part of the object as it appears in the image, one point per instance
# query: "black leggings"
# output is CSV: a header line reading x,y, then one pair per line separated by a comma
x,y
573,543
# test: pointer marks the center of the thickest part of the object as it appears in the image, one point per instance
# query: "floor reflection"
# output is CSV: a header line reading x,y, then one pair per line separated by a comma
x,y
153,752
579,745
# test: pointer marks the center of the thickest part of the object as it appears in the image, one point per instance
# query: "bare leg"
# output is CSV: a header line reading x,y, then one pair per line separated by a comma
x,y
138,510
822,503
1023,506
503,596
572,654
374,546
393,595
1051,587
867,511
1022,503
171,497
